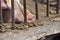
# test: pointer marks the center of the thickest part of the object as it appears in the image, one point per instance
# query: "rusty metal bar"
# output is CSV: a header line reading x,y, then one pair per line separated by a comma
x,y
47,11
12,10
0,13
25,13
36,7
2,27
57,7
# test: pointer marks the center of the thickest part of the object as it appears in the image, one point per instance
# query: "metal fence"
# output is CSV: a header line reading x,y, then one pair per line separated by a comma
x,y
25,14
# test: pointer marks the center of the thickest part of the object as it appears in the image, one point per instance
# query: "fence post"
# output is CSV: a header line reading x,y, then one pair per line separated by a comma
x,y
36,7
57,7
2,27
47,11
0,13
25,13
12,10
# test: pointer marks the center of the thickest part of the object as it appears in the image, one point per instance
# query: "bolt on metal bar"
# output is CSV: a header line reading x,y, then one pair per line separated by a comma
x,y
57,7
0,13
25,13
12,10
36,7
47,11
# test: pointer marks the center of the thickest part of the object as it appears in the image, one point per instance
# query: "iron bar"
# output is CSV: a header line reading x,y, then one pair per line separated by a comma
x,y
36,7
25,13
0,13
1,19
57,7
12,10
47,11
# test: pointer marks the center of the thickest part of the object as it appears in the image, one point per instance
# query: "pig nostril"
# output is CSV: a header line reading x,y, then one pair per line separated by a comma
x,y
30,19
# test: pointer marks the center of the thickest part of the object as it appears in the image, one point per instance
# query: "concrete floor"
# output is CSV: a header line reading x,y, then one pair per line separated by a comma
x,y
32,33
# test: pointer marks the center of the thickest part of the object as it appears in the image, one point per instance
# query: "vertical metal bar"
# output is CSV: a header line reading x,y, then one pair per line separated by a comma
x,y
47,11
0,13
25,14
36,7
12,10
57,8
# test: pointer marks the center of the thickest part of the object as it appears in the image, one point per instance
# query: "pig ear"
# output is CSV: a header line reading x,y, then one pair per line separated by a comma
x,y
8,2
3,4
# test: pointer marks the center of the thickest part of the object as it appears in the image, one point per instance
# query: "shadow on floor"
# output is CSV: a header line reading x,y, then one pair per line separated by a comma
x,y
51,37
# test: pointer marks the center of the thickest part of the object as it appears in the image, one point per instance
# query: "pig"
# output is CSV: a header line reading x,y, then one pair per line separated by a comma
x,y
18,12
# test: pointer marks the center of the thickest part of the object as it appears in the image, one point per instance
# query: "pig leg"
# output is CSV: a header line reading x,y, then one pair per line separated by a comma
x,y
3,5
